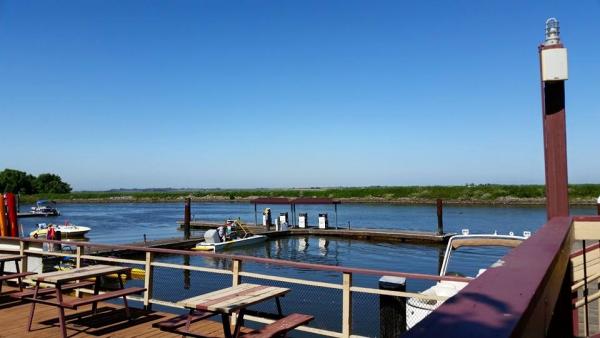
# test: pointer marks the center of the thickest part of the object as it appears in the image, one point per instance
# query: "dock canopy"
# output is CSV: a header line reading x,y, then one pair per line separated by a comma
x,y
292,203
314,200
270,200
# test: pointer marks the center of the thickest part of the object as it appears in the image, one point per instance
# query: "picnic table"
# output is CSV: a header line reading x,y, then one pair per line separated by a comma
x,y
18,274
71,279
230,300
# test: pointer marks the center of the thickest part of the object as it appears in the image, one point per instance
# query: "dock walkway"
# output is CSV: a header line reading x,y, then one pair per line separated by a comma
x,y
109,322
390,235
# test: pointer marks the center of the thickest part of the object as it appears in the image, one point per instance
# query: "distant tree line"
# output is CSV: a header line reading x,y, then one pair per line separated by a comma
x,y
16,181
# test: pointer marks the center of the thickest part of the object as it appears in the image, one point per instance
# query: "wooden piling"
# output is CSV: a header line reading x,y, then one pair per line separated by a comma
x,y
440,220
555,143
187,218
392,309
598,206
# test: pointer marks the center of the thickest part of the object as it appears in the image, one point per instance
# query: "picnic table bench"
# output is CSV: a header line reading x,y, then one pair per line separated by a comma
x,y
16,275
280,327
70,279
228,301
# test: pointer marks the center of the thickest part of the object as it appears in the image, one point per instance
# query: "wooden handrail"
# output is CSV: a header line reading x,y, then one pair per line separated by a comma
x,y
280,262
83,253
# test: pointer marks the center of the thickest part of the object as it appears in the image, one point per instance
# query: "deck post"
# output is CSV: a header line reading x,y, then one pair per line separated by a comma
x,y
187,218
440,213
78,252
236,268
392,309
22,247
148,281
346,305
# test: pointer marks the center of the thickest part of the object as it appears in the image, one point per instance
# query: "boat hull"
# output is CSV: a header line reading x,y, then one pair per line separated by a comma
x,y
229,244
77,232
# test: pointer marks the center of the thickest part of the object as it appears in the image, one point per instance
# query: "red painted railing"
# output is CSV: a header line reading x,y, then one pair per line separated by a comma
x,y
527,296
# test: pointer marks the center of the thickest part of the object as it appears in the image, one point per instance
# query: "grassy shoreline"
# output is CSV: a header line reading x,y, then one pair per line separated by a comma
x,y
580,194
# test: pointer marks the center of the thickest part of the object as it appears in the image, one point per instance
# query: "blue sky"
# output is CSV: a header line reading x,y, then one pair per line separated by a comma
x,y
113,94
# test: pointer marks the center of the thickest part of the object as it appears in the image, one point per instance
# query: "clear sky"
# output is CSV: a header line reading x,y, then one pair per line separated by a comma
x,y
112,94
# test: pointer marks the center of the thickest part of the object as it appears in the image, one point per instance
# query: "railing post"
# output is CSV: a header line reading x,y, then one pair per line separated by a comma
x,y
392,309
78,254
236,269
22,247
148,280
346,305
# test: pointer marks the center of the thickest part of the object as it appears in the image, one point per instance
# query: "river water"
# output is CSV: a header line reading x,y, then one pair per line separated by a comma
x,y
129,222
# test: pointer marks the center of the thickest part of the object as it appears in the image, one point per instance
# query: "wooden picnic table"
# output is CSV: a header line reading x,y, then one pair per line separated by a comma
x,y
66,277
233,299
17,274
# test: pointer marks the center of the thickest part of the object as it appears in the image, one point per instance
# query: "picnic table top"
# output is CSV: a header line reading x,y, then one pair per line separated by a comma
x,y
9,257
79,273
233,298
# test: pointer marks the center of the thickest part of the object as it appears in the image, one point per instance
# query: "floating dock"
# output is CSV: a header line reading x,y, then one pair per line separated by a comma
x,y
389,235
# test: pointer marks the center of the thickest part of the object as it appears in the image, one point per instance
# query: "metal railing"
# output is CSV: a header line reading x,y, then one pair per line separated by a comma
x,y
585,277
83,252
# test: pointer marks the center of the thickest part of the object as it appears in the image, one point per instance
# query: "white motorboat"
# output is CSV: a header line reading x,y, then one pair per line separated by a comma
x,y
419,308
232,235
67,230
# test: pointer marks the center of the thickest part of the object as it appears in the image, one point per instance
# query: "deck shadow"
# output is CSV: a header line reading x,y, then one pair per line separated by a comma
x,y
106,321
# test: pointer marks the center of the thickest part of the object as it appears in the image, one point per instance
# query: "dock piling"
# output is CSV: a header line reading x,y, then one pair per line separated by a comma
x,y
187,218
392,309
440,220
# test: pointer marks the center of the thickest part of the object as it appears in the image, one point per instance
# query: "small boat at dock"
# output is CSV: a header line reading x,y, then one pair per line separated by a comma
x,y
42,208
418,308
232,235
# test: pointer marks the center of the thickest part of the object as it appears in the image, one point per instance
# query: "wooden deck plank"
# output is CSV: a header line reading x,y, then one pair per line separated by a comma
x,y
79,273
109,322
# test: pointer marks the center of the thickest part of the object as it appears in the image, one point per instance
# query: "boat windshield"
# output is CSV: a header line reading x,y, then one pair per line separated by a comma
x,y
466,261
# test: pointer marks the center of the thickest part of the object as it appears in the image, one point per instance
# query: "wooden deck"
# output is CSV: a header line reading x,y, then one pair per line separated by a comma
x,y
109,322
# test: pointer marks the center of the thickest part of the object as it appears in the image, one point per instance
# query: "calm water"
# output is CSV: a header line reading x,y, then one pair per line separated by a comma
x,y
124,223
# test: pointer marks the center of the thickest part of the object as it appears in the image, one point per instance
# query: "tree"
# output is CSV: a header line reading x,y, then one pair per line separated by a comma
x,y
16,181
50,183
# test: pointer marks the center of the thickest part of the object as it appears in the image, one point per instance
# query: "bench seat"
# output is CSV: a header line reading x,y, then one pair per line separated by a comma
x,y
73,304
281,326
15,275
179,321
49,291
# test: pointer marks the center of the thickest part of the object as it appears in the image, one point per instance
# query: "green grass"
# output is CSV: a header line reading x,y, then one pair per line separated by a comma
x,y
587,193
